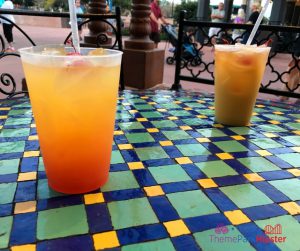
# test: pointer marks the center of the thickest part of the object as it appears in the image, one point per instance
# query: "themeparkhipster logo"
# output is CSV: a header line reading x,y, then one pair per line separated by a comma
x,y
223,234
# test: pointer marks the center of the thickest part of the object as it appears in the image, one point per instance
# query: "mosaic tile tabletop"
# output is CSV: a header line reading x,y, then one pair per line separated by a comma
x,y
178,181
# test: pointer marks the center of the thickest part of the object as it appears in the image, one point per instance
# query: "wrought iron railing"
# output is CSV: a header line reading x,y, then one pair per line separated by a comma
x,y
8,85
193,67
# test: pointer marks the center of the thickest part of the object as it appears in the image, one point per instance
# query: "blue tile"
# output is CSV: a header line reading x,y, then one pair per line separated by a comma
x,y
173,151
33,131
123,194
6,178
32,145
29,164
231,180
252,233
120,139
145,144
250,145
5,156
185,141
159,162
12,139
220,199
78,243
23,229
141,234
184,243
163,208
57,202
203,158
144,177
212,148
5,209
158,136
180,186
129,155
194,134
278,162
297,217
245,154
237,166
264,212
202,223
276,175
26,191
42,175
276,151
217,139
98,218
273,193
118,167
193,171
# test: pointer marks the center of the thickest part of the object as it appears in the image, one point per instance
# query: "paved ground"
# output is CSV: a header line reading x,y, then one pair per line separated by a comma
x,y
45,35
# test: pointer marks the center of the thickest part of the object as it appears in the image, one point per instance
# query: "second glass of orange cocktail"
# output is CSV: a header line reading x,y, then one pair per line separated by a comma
x,y
74,102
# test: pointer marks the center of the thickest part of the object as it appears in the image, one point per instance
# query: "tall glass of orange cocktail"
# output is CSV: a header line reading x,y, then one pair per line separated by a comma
x,y
238,73
74,104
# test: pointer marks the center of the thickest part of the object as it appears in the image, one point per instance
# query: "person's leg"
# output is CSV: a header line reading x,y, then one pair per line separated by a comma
x,y
7,30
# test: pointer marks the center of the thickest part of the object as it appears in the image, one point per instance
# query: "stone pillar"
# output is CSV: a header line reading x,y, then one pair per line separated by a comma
x,y
296,14
228,4
289,12
203,10
143,64
97,29
278,12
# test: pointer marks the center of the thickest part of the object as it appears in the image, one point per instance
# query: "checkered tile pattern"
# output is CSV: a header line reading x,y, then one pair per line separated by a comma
x,y
178,181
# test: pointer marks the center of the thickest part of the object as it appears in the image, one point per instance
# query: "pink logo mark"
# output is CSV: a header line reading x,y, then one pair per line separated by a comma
x,y
277,229
221,229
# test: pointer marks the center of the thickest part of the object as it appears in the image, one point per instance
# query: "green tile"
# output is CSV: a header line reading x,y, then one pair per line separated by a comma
x,y
168,174
139,137
137,100
230,146
161,100
41,167
271,128
18,121
275,117
123,115
12,147
265,143
192,203
193,150
207,112
291,158
216,168
120,181
170,106
144,107
195,121
176,135
138,212
164,124
292,139
15,112
19,132
116,157
290,187
246,195
151,115
210,241
159,245
61,222
131,125
256,119
5,228
295,115
242,130
7,192
9,166
290,229
258,164
195,105
294,126
44,191
211,132
147,153
179,113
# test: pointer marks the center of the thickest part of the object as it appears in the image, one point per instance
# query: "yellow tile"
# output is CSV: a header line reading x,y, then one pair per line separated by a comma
x,y
292,207
31,154
270,135
161,110
238,137
27,176
260,106
296,148
254,113
33,137
297,120
177,102
27,247
184,160
152,130
154,191
1,126
201,101
252,177
5,108
274,122
142,119
211,107
3,117
144,97
207,183
167,96
176,228
172,118
278,113
201,116
25,207
152,103
33,125
118,132
135,165
237,217
93,198
125,104
294,171
203,140
218,125
263,152
166,143
106,240
133,111
188,108
120,98
296,132
224,156
186,128
125,146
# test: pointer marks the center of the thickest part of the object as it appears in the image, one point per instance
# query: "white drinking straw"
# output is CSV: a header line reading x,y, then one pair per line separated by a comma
x,y
257,23
74,27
